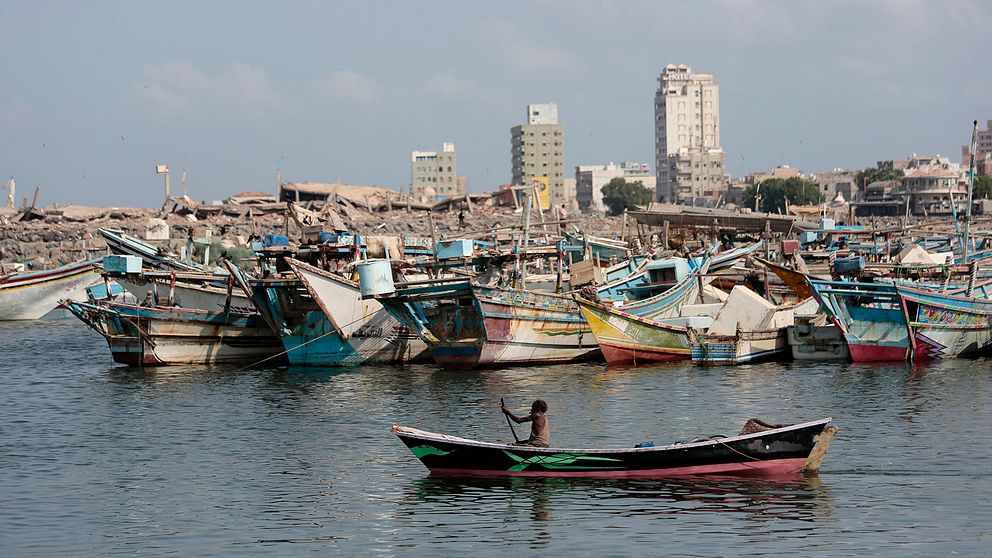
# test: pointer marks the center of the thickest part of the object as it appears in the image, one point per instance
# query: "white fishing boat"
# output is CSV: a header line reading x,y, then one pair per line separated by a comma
x,y
31,295
155,336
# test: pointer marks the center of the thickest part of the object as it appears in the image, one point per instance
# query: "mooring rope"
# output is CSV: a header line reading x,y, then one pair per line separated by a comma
x,y
319,337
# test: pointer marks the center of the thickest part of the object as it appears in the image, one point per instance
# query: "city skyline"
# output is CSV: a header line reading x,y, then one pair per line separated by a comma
x,y
231,92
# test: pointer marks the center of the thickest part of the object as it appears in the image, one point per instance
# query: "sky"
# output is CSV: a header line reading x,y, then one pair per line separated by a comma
x,y
94,94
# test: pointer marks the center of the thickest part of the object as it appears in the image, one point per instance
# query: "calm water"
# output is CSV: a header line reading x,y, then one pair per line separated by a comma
x,y
97,459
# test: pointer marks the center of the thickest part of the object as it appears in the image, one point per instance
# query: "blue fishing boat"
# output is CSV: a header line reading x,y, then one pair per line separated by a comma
x,y
309,333
871,317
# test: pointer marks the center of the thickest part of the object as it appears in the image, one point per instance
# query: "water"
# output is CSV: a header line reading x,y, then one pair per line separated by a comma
x,y
97,459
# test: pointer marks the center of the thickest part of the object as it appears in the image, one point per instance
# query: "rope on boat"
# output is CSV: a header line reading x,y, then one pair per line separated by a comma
x,y
319,337
726,445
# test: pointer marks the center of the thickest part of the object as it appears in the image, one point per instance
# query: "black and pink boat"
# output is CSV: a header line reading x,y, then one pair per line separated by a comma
x,y
761,449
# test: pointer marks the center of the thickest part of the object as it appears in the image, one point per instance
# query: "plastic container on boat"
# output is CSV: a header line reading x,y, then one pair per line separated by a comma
x,y
375,277
122,264
850,264
271,240
451,249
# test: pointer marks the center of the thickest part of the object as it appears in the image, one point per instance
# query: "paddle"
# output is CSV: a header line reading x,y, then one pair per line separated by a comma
x,y
508,421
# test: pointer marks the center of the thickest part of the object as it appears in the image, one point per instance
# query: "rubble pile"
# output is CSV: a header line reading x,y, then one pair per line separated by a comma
x,y
64,233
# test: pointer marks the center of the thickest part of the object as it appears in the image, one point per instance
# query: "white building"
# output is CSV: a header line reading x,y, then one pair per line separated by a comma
x,y
689,161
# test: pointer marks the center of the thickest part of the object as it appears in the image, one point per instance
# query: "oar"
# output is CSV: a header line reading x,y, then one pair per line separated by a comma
x,y
508,421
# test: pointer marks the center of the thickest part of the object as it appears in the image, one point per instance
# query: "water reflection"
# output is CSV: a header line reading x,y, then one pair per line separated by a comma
x,y
797,498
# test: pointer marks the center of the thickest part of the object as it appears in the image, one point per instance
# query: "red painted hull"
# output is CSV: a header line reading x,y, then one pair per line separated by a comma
x,y
873,353
625,355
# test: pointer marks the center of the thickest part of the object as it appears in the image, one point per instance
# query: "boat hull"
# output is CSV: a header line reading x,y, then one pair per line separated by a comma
x,y
524,327
627,339
946,326
186,295
744,348
870,316
365,332
818,343
777,451
140,336
29,296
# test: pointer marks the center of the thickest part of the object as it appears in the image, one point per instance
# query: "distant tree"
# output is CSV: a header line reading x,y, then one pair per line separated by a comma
x,y
774,191
983,187
872,174
618,194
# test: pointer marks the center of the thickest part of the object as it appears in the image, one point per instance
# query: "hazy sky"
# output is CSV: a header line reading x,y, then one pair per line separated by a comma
x,y
94,94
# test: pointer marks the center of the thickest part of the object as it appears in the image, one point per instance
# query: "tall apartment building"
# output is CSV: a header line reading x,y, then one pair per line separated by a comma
x,y
434,175
689,162
590,179
537,150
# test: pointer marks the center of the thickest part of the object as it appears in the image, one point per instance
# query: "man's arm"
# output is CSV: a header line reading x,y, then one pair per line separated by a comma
x,y
514,417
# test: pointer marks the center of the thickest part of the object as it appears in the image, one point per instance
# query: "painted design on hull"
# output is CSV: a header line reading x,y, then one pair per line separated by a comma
x,y
559,461
945,325
528,327
420,451
627,339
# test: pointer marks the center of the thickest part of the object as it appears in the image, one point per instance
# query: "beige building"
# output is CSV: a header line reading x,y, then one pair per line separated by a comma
x,y
590,179
689,161
837,185
434,175
537,150
934,185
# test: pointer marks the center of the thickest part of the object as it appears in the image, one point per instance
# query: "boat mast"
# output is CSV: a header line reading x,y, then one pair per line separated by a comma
x,y
971,189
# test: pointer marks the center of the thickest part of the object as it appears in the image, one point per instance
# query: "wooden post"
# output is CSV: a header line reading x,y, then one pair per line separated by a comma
x,y
430,221
37,190
768,239
664,238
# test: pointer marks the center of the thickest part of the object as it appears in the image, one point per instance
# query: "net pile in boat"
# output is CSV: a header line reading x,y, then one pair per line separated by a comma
x,y
754,425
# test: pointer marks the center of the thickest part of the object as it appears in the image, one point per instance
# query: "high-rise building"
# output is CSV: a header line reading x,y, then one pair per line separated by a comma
x,y
434,175
689,163
538,150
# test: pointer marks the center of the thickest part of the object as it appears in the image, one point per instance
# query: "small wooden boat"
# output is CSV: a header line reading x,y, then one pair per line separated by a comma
x,y
31,295
645,331
761,449
741,348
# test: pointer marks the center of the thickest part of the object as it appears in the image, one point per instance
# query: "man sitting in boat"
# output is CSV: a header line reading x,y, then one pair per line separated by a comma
x,y
540,428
